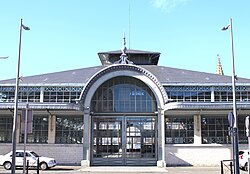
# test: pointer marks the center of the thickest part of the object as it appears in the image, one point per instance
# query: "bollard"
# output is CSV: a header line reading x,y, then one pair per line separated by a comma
x,y
231,167
37,169
27,167
221,167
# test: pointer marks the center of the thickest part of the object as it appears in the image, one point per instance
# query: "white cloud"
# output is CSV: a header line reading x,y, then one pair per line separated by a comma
x,y
168,5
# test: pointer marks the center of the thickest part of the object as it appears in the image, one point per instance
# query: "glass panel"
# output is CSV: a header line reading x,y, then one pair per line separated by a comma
x,y
5,129
107,136
215,130
69,130
179,130
123,94
39,130
139,134
140,141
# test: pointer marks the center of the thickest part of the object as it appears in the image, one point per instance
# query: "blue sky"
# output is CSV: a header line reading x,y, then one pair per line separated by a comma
x,y
68,35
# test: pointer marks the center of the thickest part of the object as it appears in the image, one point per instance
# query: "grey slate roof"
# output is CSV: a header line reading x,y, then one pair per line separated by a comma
x,y
174,75
166,75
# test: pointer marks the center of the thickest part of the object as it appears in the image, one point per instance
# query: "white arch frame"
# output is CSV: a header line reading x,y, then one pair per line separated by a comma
x,y
117,70
123,70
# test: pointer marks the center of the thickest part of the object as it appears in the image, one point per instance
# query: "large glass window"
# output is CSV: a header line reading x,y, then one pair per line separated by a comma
x,y
189,93
5,129
39,130
227,96
242,130
69,130
215,130
123,94
29,96
61,94
203,93
179,130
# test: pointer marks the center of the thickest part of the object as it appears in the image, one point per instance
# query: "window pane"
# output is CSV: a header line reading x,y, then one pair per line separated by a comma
x,y
123,94
69,130
179,130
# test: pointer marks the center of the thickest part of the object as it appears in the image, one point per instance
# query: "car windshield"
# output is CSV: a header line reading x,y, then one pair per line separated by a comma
x,y
34,153
241,152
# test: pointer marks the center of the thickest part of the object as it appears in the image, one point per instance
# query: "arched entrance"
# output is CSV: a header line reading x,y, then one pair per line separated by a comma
x,y
114,106
123,123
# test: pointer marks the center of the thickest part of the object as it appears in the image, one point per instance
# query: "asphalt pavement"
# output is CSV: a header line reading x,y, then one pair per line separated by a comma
x,y
124,170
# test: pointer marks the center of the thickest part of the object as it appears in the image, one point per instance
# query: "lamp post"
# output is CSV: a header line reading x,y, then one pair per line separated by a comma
x,y
13,168
6,57
235,123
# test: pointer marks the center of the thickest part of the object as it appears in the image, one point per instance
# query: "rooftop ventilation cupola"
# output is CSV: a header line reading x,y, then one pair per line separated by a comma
x,y
127,56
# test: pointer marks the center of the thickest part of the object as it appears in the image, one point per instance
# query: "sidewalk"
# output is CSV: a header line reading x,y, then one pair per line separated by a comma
x,y
142,170
119,169
125,170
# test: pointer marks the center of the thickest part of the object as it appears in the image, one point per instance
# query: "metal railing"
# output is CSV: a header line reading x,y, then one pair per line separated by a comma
x,y
226,167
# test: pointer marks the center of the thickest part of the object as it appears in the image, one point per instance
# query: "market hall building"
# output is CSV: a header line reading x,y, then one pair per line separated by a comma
x,y
128,111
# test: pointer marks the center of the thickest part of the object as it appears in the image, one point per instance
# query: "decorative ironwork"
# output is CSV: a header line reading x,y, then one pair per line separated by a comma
x,y
63,88
120,67
188,88
124,57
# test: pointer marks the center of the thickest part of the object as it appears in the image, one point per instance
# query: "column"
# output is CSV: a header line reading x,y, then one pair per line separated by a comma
x,y
41,94
18,130
161,139
52,129
86,136
212,94
197,129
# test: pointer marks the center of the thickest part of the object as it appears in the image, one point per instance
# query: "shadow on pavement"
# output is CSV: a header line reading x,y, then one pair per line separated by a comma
x,y
57,168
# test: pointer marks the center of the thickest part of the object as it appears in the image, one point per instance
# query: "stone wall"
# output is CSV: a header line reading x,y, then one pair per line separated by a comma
x,y
63,153
202,155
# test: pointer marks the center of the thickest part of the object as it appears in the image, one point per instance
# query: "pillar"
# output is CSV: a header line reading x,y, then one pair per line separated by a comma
x,y
86,136
212,94
197,129
161,139
18,129
41,94
52,129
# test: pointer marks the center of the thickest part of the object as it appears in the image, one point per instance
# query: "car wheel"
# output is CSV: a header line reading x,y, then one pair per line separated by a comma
x,y
246,167
7,165
43,166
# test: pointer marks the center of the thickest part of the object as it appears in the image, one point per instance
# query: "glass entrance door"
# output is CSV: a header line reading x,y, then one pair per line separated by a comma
x,y
123,140
140,141
107,141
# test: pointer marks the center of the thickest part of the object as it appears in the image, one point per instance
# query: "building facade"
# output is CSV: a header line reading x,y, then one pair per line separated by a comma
x,y
128,111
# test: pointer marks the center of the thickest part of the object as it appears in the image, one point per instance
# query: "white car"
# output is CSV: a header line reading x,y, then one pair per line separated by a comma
x,y
44,162
243,159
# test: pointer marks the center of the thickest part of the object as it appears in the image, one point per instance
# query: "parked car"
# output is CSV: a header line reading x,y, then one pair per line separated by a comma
x,y
44,162
243,159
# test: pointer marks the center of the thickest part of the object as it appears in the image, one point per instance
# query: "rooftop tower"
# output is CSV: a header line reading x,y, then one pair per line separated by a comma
x,y
219,69
125,55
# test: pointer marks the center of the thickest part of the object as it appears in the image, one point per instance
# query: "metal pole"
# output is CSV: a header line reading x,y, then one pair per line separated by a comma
x,y
13,168
235,126
248,164
25,138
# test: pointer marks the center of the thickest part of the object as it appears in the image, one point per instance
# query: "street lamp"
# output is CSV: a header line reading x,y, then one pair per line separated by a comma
x,y
235,123
13,168
6,57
